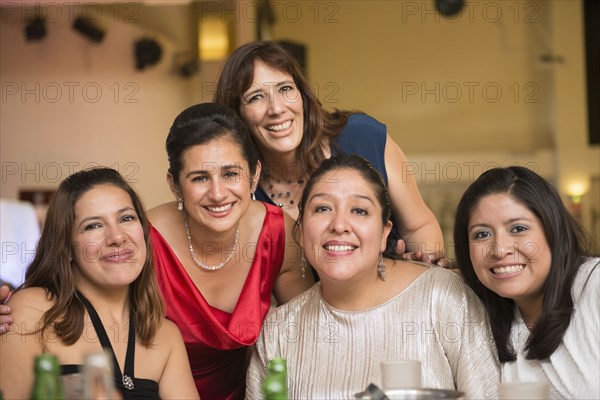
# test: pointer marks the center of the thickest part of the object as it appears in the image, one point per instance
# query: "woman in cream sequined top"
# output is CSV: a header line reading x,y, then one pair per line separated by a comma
x,y
368,308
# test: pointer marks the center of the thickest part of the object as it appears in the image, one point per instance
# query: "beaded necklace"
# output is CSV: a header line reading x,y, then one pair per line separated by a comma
x,y
287,195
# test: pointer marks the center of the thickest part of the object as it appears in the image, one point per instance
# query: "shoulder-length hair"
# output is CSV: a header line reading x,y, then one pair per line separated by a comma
x,y
236,77
567,242
51,268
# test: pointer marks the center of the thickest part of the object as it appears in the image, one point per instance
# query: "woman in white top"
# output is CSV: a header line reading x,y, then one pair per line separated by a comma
x,y
368,307
524,255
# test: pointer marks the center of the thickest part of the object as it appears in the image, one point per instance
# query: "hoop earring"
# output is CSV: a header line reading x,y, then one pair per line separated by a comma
x,y
381,268
303,264
180,205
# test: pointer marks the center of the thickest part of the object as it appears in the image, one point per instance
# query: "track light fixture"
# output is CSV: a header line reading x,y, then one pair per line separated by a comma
x,y
35,29
88,29
147,53
449,8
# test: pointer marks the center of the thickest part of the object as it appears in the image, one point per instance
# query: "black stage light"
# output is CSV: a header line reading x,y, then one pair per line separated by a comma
x,y
88,29
186,64
449,8
147,53
35,30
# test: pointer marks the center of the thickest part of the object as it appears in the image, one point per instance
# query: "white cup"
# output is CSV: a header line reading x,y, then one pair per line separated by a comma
x,y
400,374
523,390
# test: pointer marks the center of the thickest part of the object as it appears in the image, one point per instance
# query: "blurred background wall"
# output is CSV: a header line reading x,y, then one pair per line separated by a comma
x,y
501,83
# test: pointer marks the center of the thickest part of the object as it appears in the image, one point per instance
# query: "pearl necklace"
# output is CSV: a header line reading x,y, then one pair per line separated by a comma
x,y
211,267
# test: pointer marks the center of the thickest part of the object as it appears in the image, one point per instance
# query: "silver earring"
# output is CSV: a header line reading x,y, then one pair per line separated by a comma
x,y
180,205
381,268
252,195
303,264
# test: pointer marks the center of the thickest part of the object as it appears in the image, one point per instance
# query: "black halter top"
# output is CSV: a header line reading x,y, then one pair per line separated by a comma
x,y
130,387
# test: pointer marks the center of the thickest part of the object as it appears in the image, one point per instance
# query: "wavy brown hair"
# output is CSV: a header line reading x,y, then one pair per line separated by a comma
x,y
236,77
51,268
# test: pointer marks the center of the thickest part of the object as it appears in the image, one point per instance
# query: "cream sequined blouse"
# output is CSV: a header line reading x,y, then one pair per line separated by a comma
x,y
333,354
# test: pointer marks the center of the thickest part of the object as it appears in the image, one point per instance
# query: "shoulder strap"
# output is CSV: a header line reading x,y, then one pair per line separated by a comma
x,y
127,378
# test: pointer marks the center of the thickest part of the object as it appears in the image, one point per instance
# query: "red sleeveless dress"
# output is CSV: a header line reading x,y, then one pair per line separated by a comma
x,y
217,341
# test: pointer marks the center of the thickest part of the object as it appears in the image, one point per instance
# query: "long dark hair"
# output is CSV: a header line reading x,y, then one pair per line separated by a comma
x,y
360,164
51,267
202,123
236,77
569,245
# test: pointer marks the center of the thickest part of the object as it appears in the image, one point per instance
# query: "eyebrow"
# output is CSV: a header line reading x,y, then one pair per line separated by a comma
x,y
356,195
226,167
510,221
120,211
268,84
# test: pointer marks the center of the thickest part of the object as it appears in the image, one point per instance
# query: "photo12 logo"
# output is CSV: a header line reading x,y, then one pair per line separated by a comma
x,y
455,11
69,92
54,172
325,12
52,12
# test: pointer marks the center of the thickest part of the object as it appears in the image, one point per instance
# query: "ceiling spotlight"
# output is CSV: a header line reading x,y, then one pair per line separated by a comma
x,y
147,53
186,64
88,29
449,8
35,29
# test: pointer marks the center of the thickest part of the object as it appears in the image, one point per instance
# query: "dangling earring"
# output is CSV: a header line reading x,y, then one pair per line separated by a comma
x,y
180,205
381,268
252,195
303,264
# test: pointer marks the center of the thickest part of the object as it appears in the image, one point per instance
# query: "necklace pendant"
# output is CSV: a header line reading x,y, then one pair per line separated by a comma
x,y
127,382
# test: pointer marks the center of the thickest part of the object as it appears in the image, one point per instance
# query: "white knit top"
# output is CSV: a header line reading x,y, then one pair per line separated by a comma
x,y
333,354
573,369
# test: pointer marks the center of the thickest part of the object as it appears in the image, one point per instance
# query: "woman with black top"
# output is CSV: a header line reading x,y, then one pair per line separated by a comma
x,y
91,285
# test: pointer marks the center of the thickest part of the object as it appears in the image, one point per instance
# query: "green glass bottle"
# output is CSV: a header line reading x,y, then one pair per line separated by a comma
x,y
275,383
47,384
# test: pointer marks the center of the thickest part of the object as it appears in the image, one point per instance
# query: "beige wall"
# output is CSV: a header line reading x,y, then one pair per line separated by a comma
x,y
461,95
458,96
68,103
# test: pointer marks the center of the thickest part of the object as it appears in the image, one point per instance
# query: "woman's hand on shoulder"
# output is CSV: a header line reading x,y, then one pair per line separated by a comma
x,y
5,311
30,303
437,257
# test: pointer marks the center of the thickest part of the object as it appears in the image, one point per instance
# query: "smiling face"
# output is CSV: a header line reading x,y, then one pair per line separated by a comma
x,y
508,248
272,110
342,230
215,184
109,249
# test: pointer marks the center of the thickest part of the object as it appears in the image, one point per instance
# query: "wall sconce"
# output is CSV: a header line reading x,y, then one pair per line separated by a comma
x,y
213,40
575,192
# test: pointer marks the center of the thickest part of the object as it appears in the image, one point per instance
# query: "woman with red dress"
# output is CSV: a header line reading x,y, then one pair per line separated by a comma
x,y
220,255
